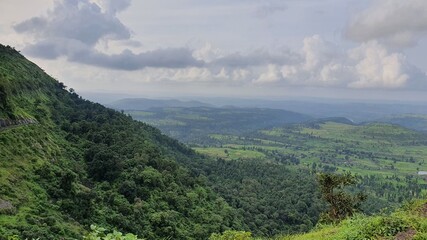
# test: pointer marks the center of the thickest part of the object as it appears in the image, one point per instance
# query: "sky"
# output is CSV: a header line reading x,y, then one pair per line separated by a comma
x,y
271,49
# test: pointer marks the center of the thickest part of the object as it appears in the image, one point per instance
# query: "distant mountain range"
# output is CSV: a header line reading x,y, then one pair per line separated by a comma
x,y
355,111
145,104
416,122
190,124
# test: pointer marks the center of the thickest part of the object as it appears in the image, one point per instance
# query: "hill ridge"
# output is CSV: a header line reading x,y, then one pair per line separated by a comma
x,y
85,164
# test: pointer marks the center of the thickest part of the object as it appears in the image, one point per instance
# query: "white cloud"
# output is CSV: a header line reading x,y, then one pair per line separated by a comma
x,y
208,53
376,68
370,65
272,75
240,74
321,64
223,74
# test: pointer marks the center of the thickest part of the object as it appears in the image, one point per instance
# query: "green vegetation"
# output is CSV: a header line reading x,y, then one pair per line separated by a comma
x,y
386,158
67,163
409,222
341,203
231,235
99,233
267,196
83,163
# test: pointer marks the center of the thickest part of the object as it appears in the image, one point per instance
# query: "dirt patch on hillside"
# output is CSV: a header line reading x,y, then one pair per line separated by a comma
x,y
406,235
423,210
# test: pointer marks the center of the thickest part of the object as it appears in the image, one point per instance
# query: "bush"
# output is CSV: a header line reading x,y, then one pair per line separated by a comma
x,y
231,235
99,233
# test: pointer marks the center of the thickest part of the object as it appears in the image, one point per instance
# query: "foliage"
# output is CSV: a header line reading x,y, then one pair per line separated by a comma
x,y
409,222
341,203
83,163
231,235
98,233
267,196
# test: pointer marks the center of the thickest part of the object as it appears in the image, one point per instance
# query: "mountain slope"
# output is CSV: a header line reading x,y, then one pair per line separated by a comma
x,y
409,222
79,163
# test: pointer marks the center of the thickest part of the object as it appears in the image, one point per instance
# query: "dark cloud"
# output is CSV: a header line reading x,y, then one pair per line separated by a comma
x,y
395,22
126,60
79,20
74,27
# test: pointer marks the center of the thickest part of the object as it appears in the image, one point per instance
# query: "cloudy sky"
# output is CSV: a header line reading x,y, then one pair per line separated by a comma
x,y
360,49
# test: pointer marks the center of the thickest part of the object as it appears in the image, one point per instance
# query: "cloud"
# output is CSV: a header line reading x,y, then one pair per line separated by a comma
x,y
113,6
321,64
272,75
79,20
369,65
74,27
259,57
396,22
376,68
269,9
208,53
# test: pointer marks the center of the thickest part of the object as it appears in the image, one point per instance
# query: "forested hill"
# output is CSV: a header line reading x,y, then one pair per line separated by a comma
x,y
80,163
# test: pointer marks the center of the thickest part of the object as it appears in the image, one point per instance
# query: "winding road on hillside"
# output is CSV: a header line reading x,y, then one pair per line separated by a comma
x,y
7,123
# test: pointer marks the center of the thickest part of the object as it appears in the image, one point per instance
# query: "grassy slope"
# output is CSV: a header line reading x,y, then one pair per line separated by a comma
x,y
25,149
25,90
409,222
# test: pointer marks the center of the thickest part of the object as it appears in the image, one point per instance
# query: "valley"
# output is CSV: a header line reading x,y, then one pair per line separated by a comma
x,y
386,157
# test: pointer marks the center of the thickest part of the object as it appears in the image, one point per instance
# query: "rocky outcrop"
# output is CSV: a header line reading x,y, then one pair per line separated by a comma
x,y
6,207
4,123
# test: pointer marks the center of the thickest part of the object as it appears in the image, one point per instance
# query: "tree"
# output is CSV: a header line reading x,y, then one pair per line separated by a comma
x,y
341,203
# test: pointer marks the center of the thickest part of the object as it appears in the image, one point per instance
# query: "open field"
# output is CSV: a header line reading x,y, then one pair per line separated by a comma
x,y
374,149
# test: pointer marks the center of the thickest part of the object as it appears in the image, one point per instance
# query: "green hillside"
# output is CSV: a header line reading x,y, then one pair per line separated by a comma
x,y
66,163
